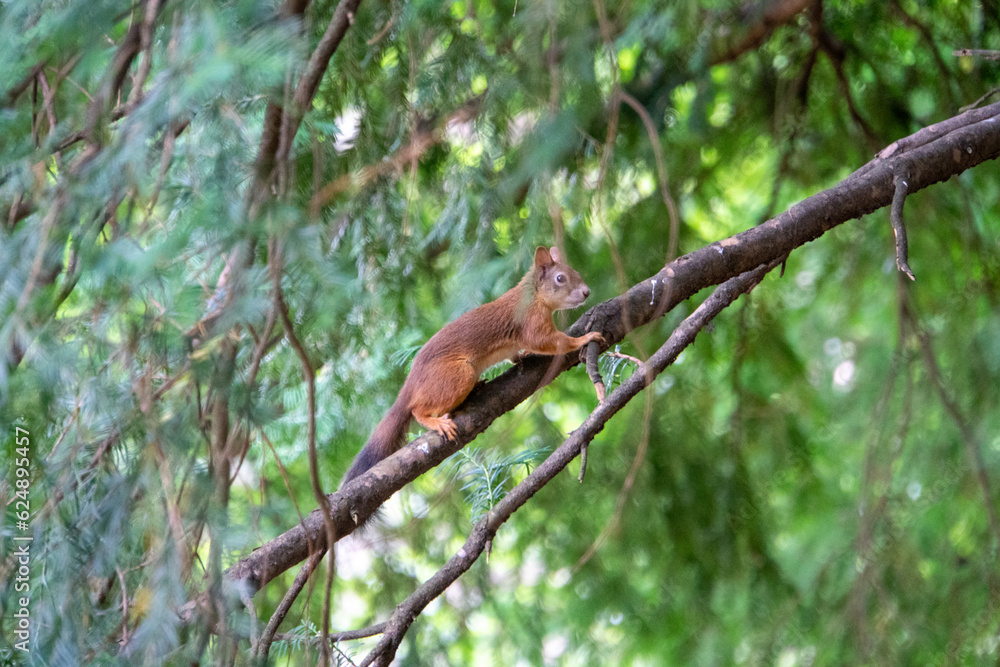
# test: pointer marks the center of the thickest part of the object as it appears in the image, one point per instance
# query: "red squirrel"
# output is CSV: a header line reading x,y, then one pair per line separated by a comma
x,y
448,366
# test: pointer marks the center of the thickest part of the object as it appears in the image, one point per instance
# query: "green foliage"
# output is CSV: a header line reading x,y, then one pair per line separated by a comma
x,y
488,476
806,485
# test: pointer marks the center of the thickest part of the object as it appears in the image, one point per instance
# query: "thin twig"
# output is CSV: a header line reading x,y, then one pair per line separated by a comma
x,y
775,14
640,457
969,439
48,103
346,635
896,218
127,49
661,173
121,579
367,175
37,264
166,157
262,646
13,93
593,351
285,477
317,488
981,99
608,150
626,357
146,48
985,54
171,499
382,33
875,476
419,144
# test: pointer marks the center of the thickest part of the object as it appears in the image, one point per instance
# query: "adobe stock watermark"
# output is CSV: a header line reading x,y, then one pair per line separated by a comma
x,y
21,509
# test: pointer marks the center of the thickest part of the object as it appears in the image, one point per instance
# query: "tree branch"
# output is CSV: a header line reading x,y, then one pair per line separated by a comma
x,y
899,228
420,142
487,527
310,377
241,258
774,14
128,49
972,140
305,90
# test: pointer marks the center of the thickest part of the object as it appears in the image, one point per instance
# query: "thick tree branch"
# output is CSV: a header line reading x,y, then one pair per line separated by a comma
x,y
973,139
487,527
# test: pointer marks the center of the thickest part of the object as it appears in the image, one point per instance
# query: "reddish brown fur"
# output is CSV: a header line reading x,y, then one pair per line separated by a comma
x,y
448,366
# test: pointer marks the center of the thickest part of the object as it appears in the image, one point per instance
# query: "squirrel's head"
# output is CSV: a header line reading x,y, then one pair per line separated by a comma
x,y
557,285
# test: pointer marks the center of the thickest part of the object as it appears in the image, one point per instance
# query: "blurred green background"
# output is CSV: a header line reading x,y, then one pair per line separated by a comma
x,y
813,483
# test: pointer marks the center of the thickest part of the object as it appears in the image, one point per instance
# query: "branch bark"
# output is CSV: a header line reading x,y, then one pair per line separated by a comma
x,y
487,527
972,138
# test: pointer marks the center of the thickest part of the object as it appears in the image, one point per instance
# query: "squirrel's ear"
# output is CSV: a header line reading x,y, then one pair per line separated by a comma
x,y
556,255
542,256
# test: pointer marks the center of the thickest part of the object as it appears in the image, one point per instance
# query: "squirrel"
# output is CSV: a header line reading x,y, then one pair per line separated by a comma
x,y
448,366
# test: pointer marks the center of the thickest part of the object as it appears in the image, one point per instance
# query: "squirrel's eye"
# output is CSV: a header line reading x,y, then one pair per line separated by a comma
x,y
560,278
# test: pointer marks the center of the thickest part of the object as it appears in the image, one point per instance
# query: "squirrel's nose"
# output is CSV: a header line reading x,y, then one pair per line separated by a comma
x,y
586,291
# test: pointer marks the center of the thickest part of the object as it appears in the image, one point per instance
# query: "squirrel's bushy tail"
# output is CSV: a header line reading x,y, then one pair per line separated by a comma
x,y
389,435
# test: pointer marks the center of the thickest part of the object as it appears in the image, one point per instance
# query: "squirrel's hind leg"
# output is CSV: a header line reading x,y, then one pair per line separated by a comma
x,y
435,398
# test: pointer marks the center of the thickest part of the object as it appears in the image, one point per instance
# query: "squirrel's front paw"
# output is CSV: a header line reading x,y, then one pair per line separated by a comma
x,y
592,337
